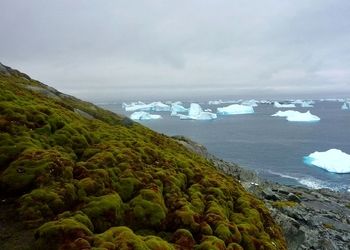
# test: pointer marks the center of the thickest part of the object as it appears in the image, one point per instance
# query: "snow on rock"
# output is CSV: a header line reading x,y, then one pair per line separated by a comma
x,y
235,109
279,105
296,116
333,160
141,115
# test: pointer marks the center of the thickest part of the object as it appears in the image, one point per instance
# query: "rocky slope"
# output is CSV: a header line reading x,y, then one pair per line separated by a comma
x,y
310,219
74,176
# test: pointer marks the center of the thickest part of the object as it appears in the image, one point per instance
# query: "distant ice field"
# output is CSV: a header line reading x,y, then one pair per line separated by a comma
x,y
271,146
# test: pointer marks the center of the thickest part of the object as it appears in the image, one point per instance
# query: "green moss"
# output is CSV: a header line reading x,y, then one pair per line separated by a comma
x,y
147,209
88,173
183,239
156,243
124,238
39,205
328,226
228,233
61,232
34,167
211,243
283,204
127,187
104,211
234,246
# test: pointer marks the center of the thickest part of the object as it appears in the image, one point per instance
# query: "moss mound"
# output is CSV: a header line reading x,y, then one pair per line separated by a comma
x,y
87,178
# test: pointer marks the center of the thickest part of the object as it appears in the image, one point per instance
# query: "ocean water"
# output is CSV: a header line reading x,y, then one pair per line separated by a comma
x,y
271,146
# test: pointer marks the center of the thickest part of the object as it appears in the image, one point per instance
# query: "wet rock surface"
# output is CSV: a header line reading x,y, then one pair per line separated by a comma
x,y
310,219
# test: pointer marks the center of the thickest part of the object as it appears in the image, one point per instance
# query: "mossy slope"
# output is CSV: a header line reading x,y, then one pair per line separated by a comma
x,y
87,178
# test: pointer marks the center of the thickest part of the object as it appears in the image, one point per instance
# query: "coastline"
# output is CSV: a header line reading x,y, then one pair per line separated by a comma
x,y
309,218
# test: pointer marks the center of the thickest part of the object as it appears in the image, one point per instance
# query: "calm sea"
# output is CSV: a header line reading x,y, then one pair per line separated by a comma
x,y
271,146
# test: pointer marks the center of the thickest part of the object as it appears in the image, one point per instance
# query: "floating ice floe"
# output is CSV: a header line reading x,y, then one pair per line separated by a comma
x,y
333,160
196,113
141,115
345,106
140,106
279,105
235,109
296,116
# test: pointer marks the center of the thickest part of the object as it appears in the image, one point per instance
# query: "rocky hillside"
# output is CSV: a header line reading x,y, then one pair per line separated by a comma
x,y
74,176
310,219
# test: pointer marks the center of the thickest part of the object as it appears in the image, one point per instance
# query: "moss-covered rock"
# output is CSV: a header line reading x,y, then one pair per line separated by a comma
x,y
57,234
87,181
104,211
147,209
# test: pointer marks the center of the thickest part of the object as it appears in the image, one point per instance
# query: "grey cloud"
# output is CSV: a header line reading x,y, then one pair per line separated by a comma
x,y
113,49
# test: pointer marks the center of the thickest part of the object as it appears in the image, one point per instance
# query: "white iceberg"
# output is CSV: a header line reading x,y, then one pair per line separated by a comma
x,y
252,103
333,160
279,105
159,106
175,107
235,109
140,106
306,104
136,106
286,113
196,113
141,115
345,106
195,110
218,102
303,117
296,116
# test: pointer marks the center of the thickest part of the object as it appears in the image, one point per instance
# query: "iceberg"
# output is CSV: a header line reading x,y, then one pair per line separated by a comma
x,y
140,106
279,105
141,115
235,109
218,102
285,113
345,106
195,110
159,106
136,106
333,160
252,103
303,117
178,108
306,104
196,113
296,116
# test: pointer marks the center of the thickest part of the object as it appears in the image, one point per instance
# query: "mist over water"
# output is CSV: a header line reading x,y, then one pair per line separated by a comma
x,y
271,146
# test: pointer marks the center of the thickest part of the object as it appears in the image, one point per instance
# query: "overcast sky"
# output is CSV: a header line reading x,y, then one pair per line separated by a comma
x,y
112,50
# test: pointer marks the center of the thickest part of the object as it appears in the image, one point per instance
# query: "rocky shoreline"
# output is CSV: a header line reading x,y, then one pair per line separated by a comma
x,y
310,219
